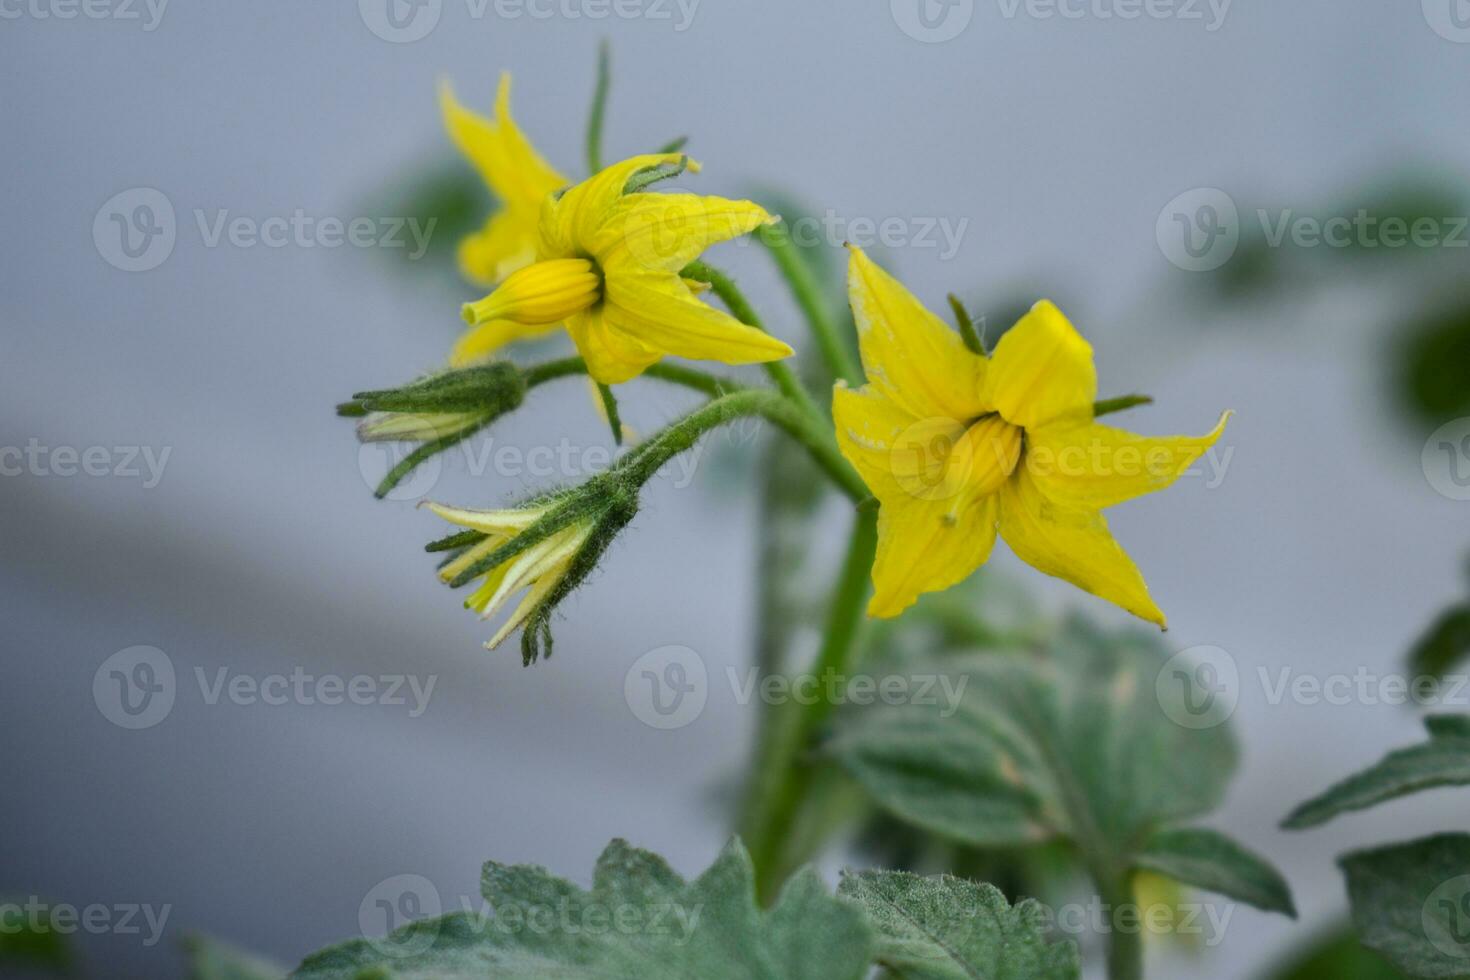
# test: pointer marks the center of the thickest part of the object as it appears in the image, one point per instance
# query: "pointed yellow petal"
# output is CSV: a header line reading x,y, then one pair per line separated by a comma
x,y
1042,370
612,355
515,173
505,521
1072,543
928,546
909,353
1096,466
668,231
481,342
510,165
659,310
869,428
569,224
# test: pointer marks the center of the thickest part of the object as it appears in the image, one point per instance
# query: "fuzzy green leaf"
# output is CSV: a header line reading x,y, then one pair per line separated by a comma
x,y
1335,954
639,920
952,929
1444,760
1070,743
210,959
1411,902
1214,862
1445,644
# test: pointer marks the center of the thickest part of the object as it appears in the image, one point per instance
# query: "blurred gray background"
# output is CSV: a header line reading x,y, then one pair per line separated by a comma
x,y
1059,139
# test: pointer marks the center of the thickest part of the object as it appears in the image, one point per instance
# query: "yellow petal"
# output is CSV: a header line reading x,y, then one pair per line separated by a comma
x,y
1072,543
1042,370
569,224
1097,466
659,310
481,342
668,231
542,294
869,428
927,546
505,521
909,353
517,175
506,244
612,355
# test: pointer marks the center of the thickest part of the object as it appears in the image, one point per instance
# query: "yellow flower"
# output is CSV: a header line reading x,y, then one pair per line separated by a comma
x,y
537,570
957,446
608,266
515,173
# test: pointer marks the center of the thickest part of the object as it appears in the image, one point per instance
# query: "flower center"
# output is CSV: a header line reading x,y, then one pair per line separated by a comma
x,y
993,446
542,293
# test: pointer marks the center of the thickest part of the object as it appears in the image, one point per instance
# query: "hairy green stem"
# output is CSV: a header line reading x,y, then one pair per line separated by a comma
x,y
783,775
808,293
644,461
724,287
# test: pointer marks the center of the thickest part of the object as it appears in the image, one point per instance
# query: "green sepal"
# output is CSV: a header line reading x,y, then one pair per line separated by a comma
x,y
644,178
494,388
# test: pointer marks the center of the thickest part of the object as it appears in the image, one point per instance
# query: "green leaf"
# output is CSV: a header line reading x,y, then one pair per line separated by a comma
x,y
210,959
1214,862
639,919
1070,743
1335,955
1444,645
1411,902
1444,760
952,929
31,940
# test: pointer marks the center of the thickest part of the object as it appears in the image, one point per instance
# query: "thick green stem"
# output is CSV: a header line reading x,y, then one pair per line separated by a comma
x,y
808,294
1124,930
783,774
644,461
724,287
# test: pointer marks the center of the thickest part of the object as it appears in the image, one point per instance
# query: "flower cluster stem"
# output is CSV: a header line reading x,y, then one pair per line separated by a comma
x,y
808,293
783,774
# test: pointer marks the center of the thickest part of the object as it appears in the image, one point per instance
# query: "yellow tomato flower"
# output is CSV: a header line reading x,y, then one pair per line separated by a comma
x,y
515,173
957,446
608,266
537,570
